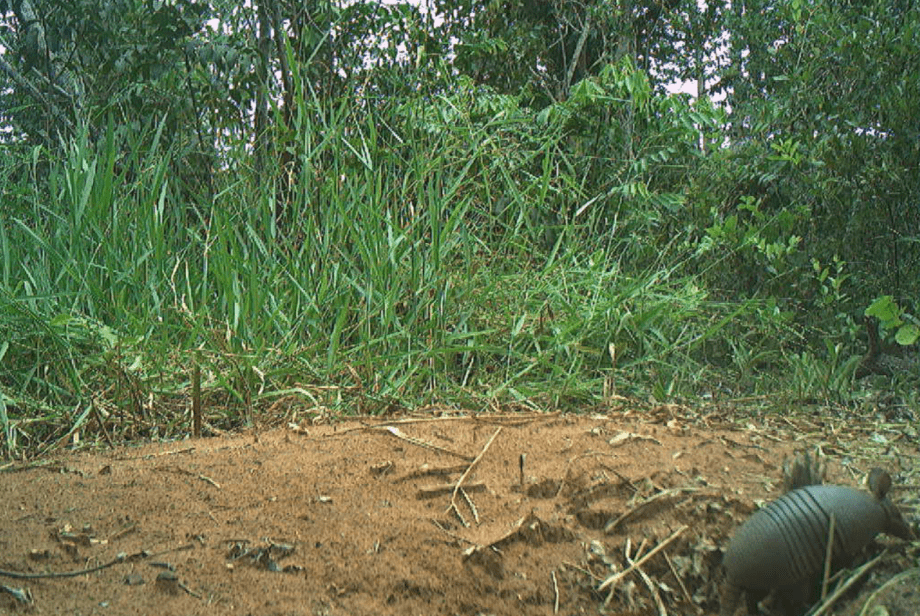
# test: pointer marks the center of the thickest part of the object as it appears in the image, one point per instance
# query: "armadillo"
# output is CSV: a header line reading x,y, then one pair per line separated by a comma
x,y
783,545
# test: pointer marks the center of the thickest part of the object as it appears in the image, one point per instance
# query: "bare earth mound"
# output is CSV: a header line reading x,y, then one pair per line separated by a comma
x,y
367,518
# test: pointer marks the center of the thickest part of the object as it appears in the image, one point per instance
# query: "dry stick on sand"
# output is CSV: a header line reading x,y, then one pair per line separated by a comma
x,y
424,444
120,558
647,503
613,579
555,592
662,611
505,420
470,504
148,456
386,425
683,588
433,491
453,497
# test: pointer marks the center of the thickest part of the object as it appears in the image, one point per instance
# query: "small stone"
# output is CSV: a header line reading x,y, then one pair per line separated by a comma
x,y
168,581
134,579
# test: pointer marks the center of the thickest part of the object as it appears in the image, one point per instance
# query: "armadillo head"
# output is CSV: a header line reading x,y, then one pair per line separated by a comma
x,y
895,524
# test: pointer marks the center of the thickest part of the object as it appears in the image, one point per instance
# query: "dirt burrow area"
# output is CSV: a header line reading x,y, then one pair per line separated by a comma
x,y
515,514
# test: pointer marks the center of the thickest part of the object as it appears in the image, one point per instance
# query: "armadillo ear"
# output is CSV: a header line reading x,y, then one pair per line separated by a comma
x,y
879,482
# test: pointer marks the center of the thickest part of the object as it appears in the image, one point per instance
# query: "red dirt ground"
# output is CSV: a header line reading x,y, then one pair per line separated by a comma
x,y
356,518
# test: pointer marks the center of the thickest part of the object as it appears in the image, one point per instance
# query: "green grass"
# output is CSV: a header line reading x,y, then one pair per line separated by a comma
x,y
414,261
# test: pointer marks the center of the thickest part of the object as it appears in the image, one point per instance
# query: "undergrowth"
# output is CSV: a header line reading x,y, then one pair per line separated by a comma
x,y
407,260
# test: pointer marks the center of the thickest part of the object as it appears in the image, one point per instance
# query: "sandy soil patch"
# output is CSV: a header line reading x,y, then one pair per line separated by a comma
x,y
367,518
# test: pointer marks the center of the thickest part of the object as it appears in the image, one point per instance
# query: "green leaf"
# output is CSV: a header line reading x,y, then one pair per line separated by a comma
x,y
907,334
883,308
60,320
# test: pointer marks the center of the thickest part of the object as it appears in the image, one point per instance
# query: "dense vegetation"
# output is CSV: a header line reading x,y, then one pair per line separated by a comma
x,y
361,207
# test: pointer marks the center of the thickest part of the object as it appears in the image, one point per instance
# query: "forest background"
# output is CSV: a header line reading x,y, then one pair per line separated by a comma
x,y
325,207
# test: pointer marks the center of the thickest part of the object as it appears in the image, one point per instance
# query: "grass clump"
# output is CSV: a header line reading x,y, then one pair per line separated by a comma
x,y
399,257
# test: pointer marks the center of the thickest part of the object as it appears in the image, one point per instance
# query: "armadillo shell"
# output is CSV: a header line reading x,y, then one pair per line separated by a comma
x,y
785,542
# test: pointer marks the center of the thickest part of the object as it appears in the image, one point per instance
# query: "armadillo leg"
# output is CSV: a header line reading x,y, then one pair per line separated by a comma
x,y
754,597
796,599
731,594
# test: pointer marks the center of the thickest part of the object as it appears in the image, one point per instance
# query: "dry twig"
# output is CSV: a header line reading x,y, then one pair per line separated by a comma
x,y
469,469
646,503
613,579
424,444
829,602
555,592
